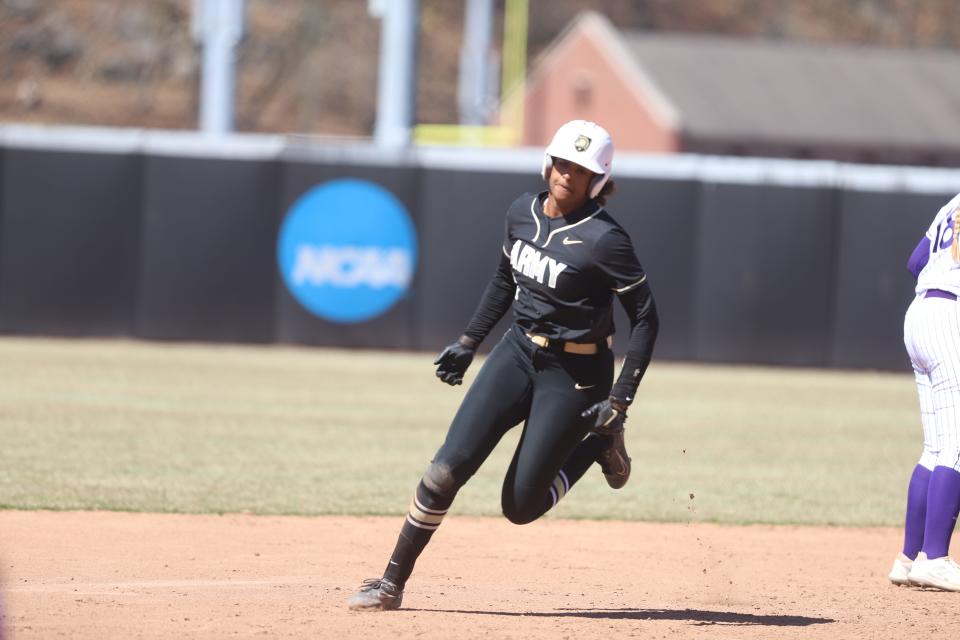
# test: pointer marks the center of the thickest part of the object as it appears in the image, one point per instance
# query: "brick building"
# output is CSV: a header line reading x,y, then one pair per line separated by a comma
x,y
672,92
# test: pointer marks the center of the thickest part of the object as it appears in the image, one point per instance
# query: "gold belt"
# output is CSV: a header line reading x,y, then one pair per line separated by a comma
x,y
580,348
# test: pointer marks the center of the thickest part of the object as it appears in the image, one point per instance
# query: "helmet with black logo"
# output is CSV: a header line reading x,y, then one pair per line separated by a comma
x,y
586,144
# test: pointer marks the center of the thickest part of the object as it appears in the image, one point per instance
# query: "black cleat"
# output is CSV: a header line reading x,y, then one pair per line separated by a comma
x,y
614,461
376,594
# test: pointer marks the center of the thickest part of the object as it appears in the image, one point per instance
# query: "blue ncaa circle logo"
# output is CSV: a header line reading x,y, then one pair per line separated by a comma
x,y
347,250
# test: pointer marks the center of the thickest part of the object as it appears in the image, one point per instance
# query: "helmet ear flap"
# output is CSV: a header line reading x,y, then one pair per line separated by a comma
x,y
596,184
547,164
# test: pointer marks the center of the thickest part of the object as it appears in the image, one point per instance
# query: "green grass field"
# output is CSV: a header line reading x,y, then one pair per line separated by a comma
x,y
125,425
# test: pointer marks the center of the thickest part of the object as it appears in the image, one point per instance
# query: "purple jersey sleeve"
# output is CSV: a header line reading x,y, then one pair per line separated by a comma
x,y
918,259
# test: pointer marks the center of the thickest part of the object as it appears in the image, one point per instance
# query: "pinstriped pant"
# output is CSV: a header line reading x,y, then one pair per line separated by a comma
x,y
931,333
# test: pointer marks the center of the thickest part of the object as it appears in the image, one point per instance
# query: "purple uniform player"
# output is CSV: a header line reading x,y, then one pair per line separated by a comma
x,y
931,333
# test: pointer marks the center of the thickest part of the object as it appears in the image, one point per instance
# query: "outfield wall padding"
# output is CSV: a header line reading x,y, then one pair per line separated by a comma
x,y
765,272
395,329
662,219
878,231
461,232
207,261
69,242
152,243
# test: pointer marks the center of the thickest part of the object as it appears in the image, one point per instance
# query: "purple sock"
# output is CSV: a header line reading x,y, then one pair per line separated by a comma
x,y
943,502
916,511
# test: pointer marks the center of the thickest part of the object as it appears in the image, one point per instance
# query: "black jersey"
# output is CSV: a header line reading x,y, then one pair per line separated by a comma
x,y
561,275
568,269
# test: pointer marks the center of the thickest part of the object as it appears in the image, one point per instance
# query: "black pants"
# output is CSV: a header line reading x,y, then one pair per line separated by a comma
x,y
518,382
549,389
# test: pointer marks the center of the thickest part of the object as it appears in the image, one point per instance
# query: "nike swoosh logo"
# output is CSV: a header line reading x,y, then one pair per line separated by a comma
x,y
581,387
569,241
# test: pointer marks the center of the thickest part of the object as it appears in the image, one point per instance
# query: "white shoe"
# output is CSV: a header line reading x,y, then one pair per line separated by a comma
x,y
939,573
900,574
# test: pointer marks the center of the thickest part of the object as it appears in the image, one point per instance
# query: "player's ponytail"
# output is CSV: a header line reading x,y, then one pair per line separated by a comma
x,y
609,188
955,246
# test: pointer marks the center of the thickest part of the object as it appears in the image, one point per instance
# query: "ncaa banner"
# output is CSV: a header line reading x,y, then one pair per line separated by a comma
x,y
347,250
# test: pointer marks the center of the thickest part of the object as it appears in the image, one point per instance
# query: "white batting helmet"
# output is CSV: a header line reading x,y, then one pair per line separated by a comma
x,y
586,144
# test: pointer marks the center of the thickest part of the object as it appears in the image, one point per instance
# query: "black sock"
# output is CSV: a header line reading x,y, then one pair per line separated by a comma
x,y
427,510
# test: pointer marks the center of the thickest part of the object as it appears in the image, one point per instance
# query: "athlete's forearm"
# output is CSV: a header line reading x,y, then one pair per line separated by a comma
x,y
644,326
496,300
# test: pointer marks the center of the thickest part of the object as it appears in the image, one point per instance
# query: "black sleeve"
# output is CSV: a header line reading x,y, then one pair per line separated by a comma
x,y
495,302
644,326
625,276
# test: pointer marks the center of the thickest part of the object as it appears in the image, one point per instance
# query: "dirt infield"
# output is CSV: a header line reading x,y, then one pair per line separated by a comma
x,y
122,575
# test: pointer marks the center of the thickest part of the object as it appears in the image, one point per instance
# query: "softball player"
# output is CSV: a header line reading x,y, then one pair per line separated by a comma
x,y
563,260
931,333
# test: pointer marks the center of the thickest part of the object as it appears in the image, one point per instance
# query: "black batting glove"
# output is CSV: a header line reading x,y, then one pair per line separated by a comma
x,y
608,416
453,361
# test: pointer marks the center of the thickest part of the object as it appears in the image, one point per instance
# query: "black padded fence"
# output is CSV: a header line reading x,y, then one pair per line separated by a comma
x,y
876,234
764,274
461,232
69,242
663,219
207,258
184,247
394,329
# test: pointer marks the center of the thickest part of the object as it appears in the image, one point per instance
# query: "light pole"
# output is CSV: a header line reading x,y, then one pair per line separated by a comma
x,y
397,73
218,25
